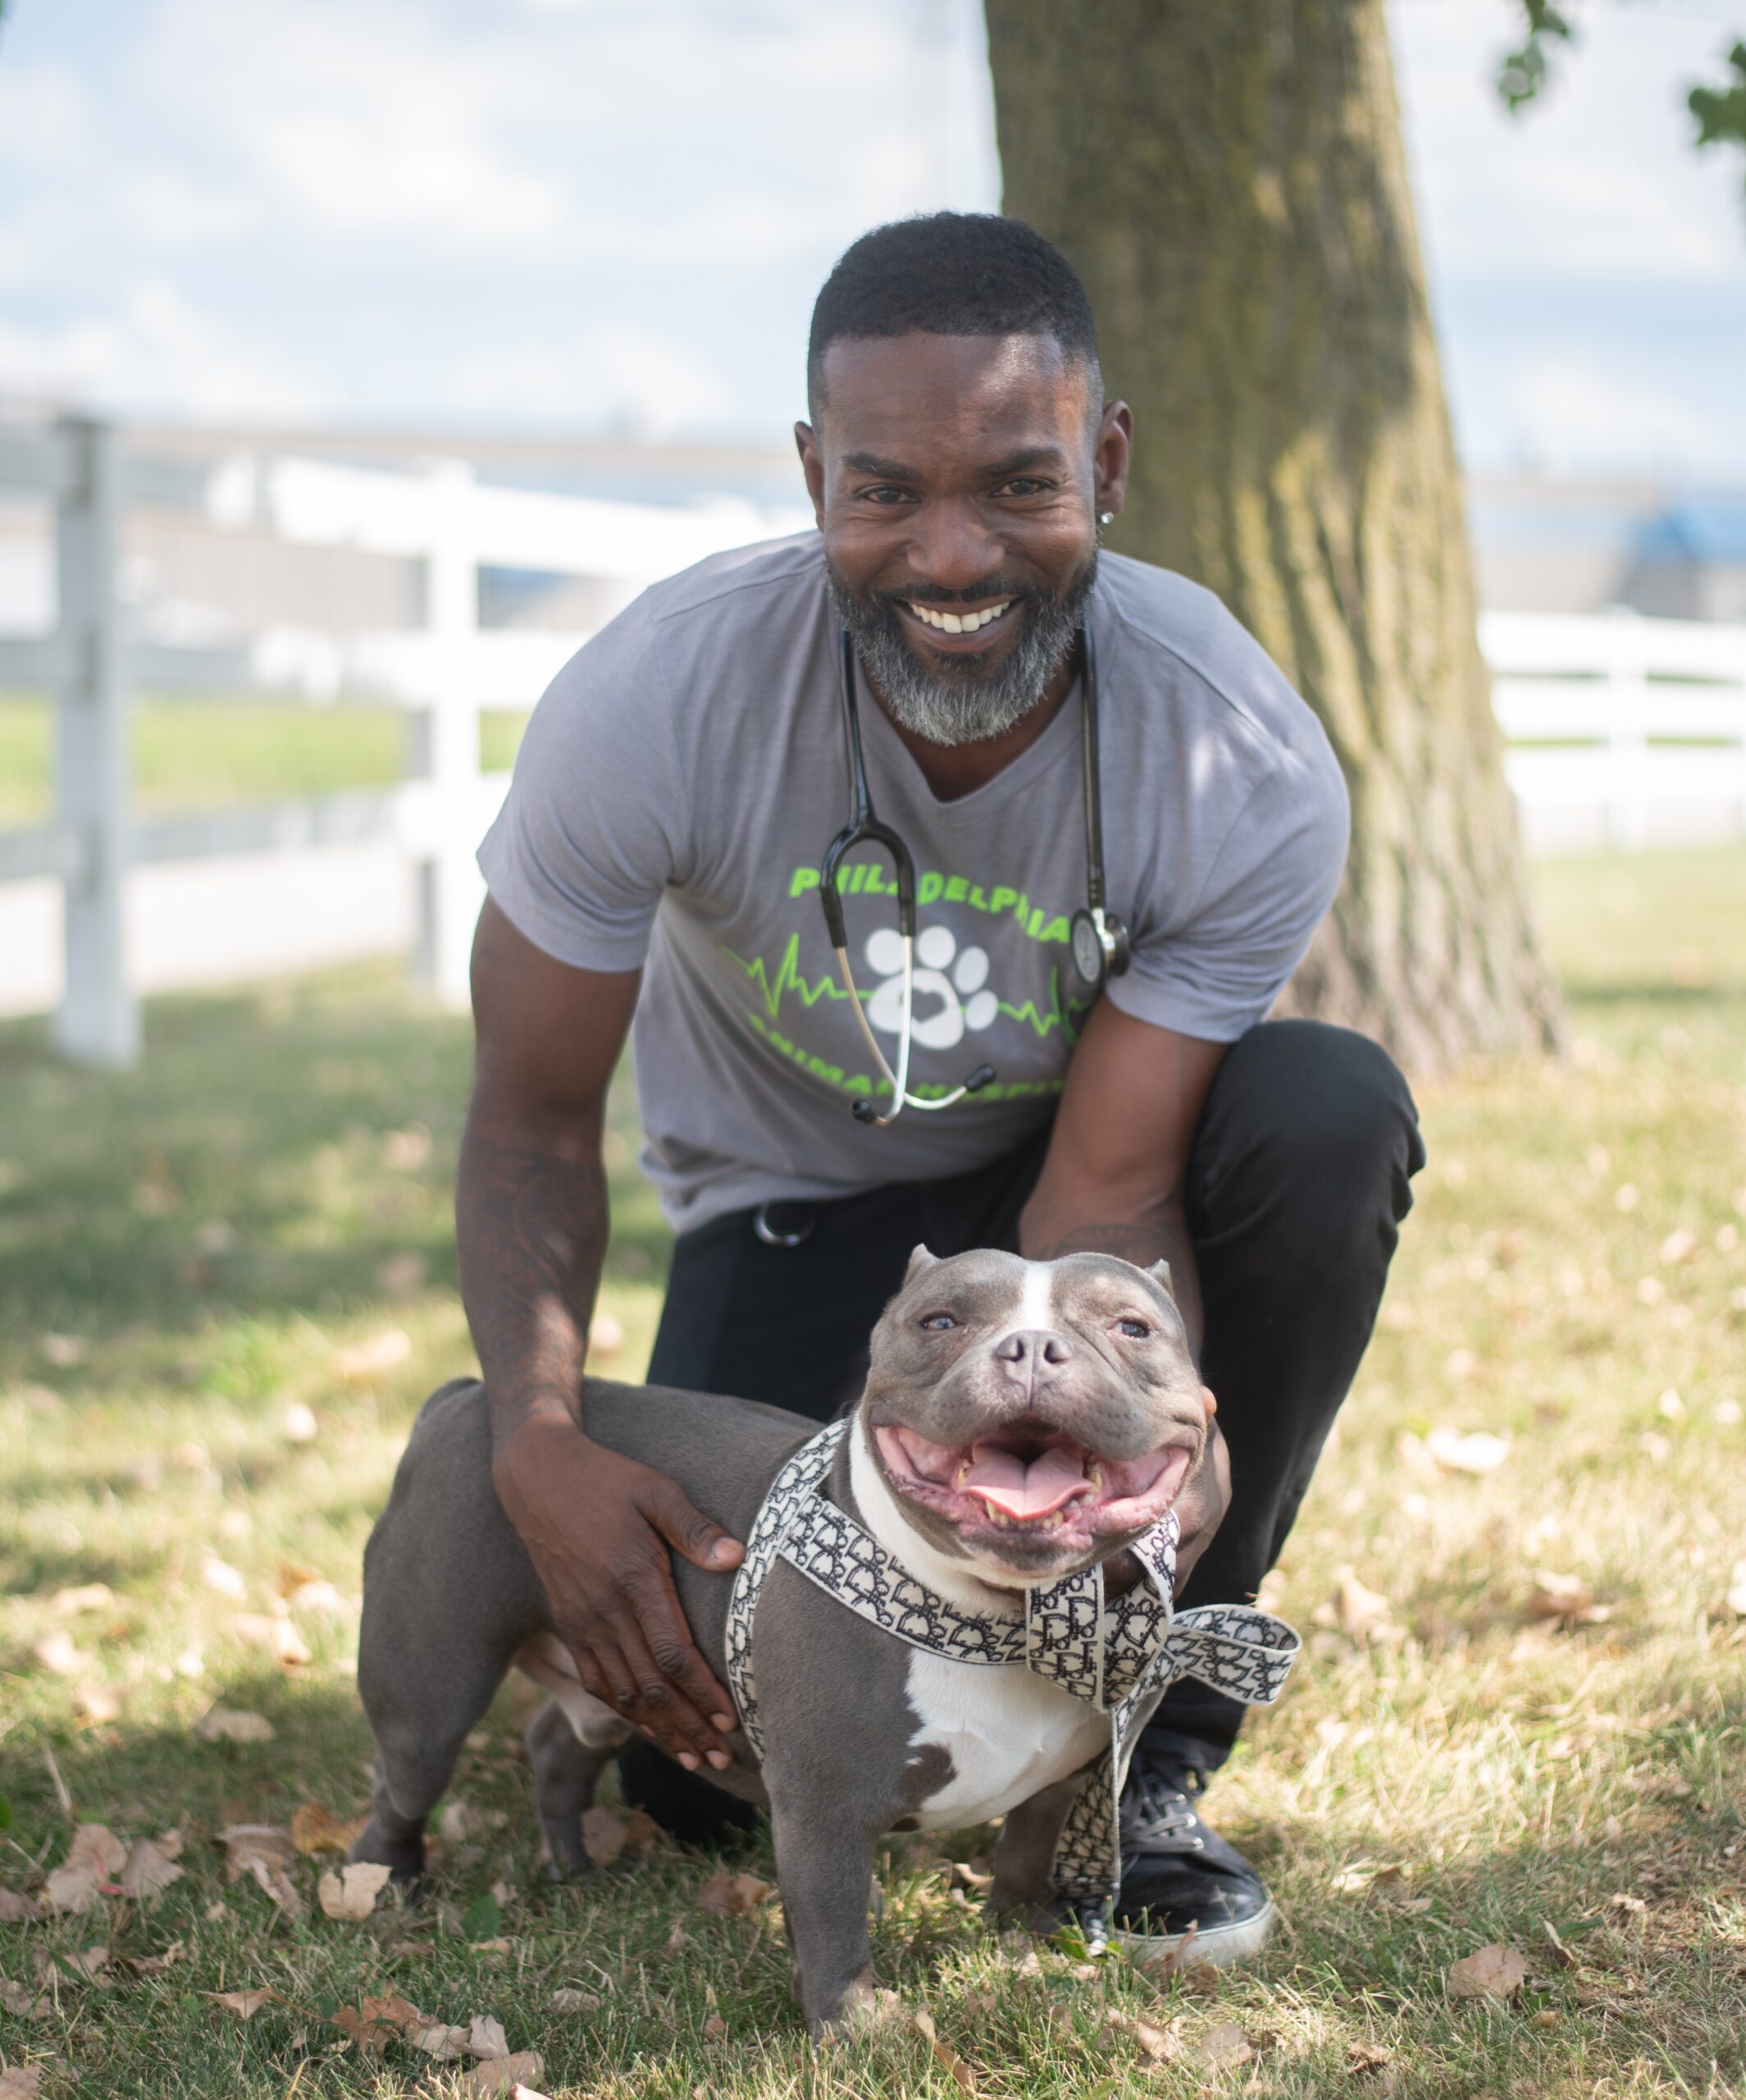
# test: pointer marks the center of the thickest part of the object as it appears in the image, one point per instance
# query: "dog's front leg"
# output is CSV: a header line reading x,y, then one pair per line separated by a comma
x,y
1023,1891
824,1861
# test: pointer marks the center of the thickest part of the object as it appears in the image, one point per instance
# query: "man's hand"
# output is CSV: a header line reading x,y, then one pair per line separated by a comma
x,y
597,1528
1205,1495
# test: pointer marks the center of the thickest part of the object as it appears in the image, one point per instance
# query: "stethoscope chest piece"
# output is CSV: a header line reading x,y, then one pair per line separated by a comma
x,y
1099,946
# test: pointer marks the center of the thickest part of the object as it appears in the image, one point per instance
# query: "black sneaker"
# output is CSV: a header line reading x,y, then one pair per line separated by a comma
x,y
1179,1879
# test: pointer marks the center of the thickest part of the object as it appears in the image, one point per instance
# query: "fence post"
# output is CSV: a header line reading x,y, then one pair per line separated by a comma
x,y
98,1022
445,740
1628,731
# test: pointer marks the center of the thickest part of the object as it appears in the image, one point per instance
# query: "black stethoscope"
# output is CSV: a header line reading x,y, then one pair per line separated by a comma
x,y
1098,941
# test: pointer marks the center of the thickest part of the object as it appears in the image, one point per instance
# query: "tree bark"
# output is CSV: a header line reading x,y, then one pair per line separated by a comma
x,y
1227,176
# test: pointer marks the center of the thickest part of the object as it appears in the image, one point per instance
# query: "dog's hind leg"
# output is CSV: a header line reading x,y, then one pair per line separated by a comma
x,y
570,1741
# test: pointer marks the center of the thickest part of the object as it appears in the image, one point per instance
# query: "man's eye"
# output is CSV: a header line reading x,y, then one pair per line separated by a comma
x,y
1135,1328
885,495
938,1322
1025,486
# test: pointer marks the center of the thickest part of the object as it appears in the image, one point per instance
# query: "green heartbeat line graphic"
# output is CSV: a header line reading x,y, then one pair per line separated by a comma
x,y
788,978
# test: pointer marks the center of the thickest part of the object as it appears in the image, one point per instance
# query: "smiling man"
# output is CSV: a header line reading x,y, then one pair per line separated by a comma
x,y
1025,1072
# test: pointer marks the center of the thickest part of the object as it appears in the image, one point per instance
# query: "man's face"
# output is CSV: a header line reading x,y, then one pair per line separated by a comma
x,y
957,480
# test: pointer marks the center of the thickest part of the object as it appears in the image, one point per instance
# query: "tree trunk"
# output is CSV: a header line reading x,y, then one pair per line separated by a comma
x,y
1227,177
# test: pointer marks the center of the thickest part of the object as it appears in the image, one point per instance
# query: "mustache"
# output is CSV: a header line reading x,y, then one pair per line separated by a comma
x,y
934,594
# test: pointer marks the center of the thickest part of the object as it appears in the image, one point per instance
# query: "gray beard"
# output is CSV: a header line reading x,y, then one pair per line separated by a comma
x,y
953,700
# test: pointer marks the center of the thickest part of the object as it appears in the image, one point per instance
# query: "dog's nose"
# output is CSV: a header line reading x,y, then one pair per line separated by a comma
x,y
1033,1347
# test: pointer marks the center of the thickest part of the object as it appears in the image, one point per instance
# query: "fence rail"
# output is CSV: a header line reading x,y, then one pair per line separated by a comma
x,y
1611,723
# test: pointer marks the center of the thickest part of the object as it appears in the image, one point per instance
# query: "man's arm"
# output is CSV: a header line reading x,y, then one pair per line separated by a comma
x,y
1113,1183
531,1231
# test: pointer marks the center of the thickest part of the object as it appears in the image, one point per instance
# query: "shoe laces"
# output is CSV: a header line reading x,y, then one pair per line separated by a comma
x,y
1158,1812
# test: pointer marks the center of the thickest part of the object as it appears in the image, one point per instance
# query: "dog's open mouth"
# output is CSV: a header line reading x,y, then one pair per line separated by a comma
x,y
1033,1485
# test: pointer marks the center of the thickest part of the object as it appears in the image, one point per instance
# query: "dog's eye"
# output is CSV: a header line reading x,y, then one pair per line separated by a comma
x,y
938,1322
1138,1328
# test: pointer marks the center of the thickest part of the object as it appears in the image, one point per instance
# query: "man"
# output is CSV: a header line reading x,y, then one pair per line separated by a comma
x,y
659,853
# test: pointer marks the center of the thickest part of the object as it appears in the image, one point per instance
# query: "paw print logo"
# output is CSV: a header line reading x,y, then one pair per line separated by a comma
x,y
956,978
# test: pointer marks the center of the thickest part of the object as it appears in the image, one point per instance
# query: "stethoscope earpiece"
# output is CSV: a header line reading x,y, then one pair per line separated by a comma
x,y
1099,942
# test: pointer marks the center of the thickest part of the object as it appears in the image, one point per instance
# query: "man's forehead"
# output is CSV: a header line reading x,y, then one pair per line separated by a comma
x,y
1001,387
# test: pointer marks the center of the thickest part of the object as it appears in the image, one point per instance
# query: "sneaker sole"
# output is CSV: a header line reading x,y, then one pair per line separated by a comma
x,y
1219,1947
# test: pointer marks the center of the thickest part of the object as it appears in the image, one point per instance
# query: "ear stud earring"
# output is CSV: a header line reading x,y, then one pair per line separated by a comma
x,y
1106,517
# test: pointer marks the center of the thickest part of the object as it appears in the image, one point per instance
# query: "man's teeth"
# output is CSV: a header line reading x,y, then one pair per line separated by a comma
x,y
959,622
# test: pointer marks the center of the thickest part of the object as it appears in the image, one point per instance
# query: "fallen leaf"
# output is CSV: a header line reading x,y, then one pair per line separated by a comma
x,y
1224,2046
352,1893
87,1964
96,1845
1565,1599
1362,1612
263,1852
1362,2056
317,1596
948,2060
366,1359
448,2045
504,2073
567,2000
375,2022
605,1833
71,1890
1494,1972
152,1964
1475,1451
267,1630
99,1703
22,2004
731,1895
245,2004
1159,2044
486,2038
458,1821
233,1724
85,1596
147,1871
714,2028
20,2082
221,1576
317,1830
297,1424
16,1910
59,1652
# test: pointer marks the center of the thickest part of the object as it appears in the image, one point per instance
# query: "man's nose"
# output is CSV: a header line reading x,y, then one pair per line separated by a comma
x,y
953,548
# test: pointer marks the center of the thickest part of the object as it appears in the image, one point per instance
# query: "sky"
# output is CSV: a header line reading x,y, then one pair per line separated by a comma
x,y
612,216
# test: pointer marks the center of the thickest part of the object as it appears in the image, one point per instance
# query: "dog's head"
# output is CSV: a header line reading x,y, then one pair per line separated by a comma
x,y
1033,1417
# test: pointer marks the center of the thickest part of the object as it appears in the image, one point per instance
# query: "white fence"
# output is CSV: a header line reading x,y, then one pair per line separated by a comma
x,y
1621,730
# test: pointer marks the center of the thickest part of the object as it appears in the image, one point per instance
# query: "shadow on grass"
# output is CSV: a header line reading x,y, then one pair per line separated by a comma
x,y
273,1153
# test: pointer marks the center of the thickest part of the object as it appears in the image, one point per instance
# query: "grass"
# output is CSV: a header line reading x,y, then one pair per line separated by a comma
x,y
185,1251
200,754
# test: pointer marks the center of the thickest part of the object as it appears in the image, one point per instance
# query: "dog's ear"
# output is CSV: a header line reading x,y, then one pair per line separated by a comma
x,y
919,1259
1159,1273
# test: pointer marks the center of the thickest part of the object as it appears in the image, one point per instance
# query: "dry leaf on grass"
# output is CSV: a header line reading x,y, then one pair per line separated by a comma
x,y
1565,1599
448,2045
152,1965
351,1893
95,1845
263,1852
147,1870
20,2082
246,2004
317,1830
59,1652
1362,2056
605,1834
368,1359
731,1895
99,1703
1474,1451
24,2004
1494,1972
233,1724
85,1596
1223,2047
374,2023
568,1999
508,2075
72,1891
261,1629
221,1576
714,2028
486,2038
16,1910
962,2076
1159,2044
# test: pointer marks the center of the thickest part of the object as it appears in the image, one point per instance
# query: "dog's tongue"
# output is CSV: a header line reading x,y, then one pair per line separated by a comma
x,y
1008,1484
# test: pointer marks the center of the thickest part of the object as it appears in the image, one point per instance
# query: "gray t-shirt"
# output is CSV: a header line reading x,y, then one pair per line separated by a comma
x,y
680,781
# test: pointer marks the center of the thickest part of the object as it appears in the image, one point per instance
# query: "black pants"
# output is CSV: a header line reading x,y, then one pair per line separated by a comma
x,y
1298,1185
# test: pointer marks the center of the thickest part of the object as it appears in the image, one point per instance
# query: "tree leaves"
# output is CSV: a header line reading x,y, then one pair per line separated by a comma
x,y
1494,1972
351,1893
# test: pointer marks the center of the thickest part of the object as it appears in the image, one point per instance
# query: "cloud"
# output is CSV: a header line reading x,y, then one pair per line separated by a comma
x,y
626,378
1575,416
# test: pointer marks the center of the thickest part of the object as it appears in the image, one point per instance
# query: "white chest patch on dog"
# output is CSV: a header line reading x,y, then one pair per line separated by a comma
x,y
1008,1733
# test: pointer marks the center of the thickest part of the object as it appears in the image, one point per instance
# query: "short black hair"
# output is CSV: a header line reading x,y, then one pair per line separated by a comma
x,y
951,273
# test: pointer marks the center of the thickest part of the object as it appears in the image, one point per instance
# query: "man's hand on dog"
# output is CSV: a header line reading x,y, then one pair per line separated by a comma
x,y
597,1528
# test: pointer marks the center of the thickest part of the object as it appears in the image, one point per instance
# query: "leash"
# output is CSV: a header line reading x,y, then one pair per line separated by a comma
x,y
1119,1654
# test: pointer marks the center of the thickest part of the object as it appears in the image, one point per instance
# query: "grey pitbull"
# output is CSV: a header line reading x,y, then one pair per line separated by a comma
x,y
1021,1421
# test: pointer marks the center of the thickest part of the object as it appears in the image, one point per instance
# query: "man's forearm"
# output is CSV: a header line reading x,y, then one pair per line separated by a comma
x,y
1054,1227
530,1230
